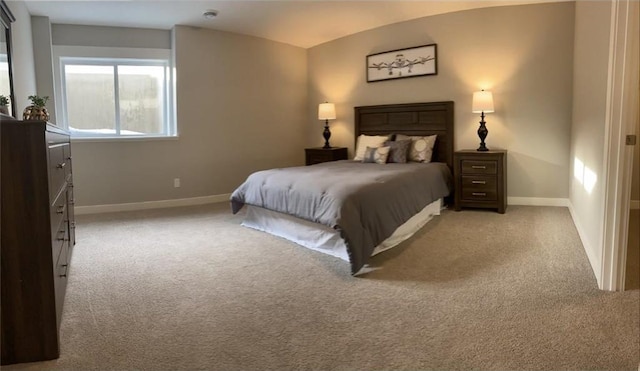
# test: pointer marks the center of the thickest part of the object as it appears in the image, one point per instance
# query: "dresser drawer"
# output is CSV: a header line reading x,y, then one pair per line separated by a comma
x,y
60,272
479,167
58,240
62,260
59,167
55,138
70,217
58,212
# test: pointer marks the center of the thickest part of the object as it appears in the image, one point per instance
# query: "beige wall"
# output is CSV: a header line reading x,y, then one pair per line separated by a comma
x,y
591,59
226,102
523,54
24,75
115,37
241,102
41,31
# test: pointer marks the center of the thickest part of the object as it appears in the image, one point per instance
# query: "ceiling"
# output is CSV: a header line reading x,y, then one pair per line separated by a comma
x,y
303,23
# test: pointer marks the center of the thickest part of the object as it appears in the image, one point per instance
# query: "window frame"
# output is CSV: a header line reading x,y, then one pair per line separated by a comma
x,y
169,127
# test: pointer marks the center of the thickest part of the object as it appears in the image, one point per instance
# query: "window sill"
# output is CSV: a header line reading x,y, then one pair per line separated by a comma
x,y
122,139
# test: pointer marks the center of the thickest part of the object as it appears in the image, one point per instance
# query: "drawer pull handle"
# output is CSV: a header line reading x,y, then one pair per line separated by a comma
x,y
478,182
60,236
66,267
60,209
478,167
479,194
61,165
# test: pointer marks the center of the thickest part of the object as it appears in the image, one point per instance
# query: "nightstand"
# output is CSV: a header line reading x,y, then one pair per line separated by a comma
x,y
480,179
318,155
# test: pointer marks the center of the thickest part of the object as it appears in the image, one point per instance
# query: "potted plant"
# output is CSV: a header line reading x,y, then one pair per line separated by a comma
x,y
4,104
37,110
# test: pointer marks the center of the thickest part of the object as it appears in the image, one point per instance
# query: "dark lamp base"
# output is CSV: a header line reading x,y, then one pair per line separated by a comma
x,y
326,134
482,133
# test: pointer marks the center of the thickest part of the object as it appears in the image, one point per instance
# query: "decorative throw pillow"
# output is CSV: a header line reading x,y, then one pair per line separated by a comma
x,y
378,155
398,150
421,147
365,141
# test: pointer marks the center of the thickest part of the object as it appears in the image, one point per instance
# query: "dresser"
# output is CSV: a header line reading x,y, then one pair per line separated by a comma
x,y
480,179
37,235
319,155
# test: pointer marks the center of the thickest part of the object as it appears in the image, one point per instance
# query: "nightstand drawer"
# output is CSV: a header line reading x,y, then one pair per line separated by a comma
x,y
479,167
479,194
316,158
319,155
479,183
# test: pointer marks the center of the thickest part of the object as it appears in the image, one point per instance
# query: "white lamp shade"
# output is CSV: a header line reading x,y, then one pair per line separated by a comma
x,y
482,102
326,111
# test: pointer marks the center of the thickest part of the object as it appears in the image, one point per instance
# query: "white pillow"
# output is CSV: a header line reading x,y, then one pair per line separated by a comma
x,y
421,147
377,155
365,141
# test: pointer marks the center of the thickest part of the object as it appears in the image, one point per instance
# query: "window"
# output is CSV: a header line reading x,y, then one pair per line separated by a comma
x,y
4,75
116,97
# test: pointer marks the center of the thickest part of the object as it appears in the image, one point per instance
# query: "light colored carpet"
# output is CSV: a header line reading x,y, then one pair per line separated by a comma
x,y
191,289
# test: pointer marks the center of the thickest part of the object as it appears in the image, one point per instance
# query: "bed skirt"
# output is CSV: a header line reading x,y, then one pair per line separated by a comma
x,y
321,238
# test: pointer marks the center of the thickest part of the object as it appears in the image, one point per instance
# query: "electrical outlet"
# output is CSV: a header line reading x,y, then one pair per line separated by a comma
x,y
631,140
176,183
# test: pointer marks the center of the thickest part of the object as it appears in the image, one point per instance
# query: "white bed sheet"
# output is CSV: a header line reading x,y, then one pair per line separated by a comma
x,y
321,238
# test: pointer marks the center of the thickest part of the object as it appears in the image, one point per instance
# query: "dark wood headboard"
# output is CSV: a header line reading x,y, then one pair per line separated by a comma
x,y
411,119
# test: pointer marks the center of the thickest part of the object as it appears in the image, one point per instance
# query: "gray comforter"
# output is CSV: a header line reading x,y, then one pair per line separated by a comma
x,y
364,202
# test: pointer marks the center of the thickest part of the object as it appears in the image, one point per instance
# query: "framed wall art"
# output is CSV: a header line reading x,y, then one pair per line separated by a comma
x,y
401,63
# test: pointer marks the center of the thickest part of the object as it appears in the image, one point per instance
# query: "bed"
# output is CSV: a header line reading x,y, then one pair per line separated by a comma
x,y
351,209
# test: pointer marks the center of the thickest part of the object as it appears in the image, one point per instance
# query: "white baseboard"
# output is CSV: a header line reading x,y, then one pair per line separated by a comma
x,y
538,201
99,209
593,260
